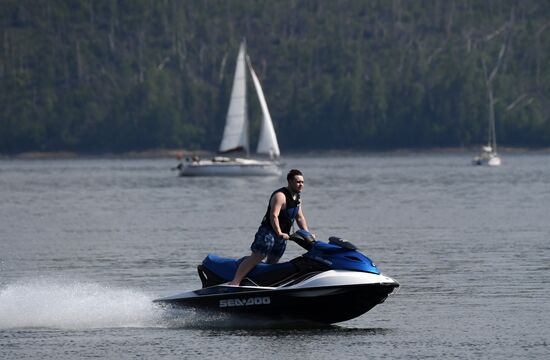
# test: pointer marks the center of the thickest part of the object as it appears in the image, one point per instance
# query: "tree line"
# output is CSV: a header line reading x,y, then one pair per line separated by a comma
x,y
98,76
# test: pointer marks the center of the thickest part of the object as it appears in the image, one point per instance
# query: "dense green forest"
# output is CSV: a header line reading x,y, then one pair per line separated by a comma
x,y
98,76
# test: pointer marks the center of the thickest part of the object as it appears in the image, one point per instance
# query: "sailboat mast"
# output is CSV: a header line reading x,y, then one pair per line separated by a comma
x,y
492,141
246,121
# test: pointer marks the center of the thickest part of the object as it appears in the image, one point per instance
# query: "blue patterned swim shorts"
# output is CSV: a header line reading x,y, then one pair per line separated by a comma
x,y
268,244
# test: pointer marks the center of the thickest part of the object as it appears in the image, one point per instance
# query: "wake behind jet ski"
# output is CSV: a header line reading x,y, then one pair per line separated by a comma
x,y
332,282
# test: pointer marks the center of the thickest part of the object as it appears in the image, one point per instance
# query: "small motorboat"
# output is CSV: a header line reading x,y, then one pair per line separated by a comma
x,y
332,282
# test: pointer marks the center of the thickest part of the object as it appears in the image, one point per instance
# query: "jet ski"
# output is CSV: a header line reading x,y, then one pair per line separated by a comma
x,y
332,282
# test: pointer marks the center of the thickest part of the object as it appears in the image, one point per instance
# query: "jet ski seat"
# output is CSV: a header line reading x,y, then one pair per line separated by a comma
x,y
216,270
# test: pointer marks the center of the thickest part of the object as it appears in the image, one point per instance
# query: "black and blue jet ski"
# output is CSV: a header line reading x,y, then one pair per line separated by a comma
x,y
332,282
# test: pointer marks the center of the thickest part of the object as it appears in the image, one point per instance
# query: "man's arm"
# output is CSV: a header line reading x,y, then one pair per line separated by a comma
x,y
277,202
301,220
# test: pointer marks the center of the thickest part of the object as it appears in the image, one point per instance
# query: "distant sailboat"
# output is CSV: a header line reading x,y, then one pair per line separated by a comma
x,y
235,134
489,155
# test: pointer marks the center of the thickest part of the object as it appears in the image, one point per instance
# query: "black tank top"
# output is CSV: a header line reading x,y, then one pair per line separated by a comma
x,y
287,215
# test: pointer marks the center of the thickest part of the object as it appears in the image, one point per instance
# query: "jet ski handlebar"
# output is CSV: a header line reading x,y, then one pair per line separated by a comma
x,y
306,240
303,238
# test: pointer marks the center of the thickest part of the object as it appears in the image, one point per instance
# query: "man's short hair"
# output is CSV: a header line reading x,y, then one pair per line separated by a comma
x,y
292,173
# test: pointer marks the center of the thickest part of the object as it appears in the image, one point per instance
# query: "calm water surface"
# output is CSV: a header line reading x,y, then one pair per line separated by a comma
x,y
86,244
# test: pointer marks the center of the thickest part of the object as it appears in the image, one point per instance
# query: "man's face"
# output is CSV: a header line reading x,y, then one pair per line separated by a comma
x,y
297,184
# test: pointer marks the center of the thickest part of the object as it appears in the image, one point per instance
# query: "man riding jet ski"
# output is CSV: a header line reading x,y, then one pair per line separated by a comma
x,y
330,283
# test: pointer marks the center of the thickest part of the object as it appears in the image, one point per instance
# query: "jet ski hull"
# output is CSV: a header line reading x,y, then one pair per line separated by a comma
x,y
326,305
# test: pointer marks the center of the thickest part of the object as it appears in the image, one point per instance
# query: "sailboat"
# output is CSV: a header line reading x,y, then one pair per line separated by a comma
x,y
235,134
489,155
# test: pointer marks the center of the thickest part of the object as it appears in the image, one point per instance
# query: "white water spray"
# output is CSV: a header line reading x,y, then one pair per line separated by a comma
x,y
52,303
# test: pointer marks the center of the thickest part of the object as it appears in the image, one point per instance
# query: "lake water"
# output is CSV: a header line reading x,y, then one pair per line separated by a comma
x,y
86,244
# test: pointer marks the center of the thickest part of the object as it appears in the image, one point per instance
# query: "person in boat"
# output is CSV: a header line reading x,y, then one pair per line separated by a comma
x,y
270,239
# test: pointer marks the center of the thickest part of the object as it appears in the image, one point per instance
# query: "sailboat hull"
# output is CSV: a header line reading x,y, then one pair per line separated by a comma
x,y
494,161
232,167
487,160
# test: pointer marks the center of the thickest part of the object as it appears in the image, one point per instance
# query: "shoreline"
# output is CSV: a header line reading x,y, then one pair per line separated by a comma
x,y
175,153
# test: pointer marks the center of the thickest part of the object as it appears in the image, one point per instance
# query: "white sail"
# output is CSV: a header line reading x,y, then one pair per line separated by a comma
x,y
235,134
267,143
